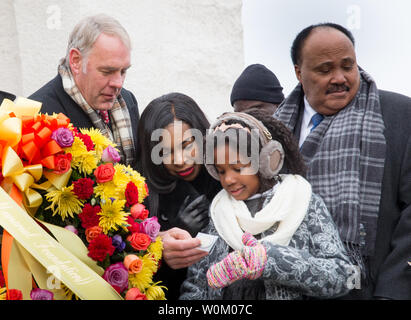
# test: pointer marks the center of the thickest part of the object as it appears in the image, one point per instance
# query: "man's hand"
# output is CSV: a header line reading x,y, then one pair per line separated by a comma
x,y
180,248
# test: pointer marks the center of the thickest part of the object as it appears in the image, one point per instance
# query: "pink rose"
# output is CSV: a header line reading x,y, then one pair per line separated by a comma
x,y
139,211
110,155
117,276
63,136
150,227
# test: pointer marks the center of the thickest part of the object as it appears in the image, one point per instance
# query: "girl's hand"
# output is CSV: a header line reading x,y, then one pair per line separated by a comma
x,y
249,263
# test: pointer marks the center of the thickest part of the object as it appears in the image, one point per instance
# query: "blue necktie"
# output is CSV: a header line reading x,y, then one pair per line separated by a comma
x,y
316,119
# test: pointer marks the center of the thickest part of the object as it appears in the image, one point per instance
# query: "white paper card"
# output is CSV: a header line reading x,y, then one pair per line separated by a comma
x,y
207,241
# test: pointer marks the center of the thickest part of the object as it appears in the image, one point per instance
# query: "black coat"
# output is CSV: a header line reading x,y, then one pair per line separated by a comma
x,y
55,99
390,271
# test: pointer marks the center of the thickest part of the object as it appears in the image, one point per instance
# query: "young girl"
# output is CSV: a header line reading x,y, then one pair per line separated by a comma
x,y
276,239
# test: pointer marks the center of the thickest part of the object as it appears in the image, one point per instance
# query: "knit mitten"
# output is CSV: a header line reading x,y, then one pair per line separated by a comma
x,y
248,263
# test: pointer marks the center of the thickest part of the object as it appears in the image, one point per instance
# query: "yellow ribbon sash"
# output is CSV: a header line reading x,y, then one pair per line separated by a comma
x,y
39,250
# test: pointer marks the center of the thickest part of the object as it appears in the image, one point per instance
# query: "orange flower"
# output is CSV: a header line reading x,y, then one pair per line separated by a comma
x,y
135,294
104,173
139,241
93,232
133,263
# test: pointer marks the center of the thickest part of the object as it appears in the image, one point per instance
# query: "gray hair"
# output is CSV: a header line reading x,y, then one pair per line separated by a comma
x,y
86,32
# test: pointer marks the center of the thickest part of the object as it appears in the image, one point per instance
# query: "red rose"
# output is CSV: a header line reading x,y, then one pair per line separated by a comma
x,y
88,216
83,188
145,186
87,141
139,211
2,281
134,226
104,173
62,163
100,247
131,194
14,294
139,241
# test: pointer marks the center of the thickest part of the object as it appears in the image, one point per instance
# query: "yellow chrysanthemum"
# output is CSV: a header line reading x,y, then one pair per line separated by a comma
x,y
112,215
3,294
156,292
87,163
68,293
141,280
100,141
156,248
121,177
150,262
77,149
64,202
107,190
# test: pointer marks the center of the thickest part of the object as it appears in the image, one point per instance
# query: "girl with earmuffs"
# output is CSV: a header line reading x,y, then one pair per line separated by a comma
x,y
276,238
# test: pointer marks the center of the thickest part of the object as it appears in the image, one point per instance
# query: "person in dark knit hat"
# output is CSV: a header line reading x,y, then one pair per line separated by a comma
x,y
256,87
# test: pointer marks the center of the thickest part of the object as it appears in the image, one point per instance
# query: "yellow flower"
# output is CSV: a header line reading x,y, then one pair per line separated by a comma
x,y
3,293
156,292
83,160
141,280
77,149
87,163
68,293
64,202
121,177
150,262
107,190
112,215
156,248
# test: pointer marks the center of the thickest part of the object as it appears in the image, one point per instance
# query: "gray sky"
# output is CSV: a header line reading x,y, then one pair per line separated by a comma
x,y
382,30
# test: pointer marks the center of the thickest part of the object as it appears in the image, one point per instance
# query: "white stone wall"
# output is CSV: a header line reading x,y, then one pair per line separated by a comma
x,y
191,46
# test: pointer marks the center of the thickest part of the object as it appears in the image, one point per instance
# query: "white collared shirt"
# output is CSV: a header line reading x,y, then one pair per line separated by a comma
x,y
306,124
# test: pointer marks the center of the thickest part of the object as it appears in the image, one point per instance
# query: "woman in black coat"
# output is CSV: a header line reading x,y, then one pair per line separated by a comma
x,y
170,142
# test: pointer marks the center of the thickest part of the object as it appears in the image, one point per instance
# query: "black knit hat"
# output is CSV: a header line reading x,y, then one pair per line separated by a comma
x,y
258,83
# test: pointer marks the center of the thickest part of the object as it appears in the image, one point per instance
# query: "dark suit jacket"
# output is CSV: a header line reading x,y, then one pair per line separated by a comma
x,y
55,99
389,272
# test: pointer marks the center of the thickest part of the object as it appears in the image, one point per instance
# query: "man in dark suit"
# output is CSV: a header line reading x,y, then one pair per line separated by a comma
x,y
356,141
89,85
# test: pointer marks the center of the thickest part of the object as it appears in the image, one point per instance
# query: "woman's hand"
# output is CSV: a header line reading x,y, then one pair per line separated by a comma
x,y
180,248
193,216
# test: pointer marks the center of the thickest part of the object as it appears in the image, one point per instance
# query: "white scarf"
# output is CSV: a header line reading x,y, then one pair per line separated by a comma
x,y
288,206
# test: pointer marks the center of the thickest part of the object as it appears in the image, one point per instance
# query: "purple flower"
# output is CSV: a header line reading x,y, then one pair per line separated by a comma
x,y
118,243
110,155
41,294
150,227
63,136
71,228
117,276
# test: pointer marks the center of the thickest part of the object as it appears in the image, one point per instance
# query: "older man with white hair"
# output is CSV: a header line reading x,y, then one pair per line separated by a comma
x,y
89,85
